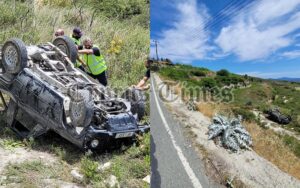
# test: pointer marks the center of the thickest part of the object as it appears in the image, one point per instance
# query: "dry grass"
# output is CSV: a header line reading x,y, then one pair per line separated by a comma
x,y
266,142
271,147
211,109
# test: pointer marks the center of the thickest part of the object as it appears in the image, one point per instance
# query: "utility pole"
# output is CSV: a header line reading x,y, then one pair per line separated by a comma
x,y
156,42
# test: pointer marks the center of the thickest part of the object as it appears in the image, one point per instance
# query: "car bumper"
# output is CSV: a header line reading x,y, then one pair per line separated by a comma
x,y
98,138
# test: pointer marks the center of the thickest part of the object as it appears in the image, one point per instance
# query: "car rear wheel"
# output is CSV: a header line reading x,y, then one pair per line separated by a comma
x,y
14,56
66,45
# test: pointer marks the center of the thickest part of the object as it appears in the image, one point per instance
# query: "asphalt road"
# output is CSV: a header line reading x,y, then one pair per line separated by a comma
x,y
174,163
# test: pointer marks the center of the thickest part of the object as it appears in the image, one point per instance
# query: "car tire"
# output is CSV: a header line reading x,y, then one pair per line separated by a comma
x,y
14,56
137,100
81,108
66,45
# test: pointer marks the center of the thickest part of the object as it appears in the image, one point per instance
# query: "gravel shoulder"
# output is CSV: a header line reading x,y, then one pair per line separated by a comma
x,y
246,166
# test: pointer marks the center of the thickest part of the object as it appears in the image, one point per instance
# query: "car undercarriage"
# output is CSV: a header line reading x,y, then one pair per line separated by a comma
x,y
48,93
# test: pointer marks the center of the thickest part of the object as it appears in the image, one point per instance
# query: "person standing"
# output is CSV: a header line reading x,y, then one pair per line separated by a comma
x,y
94,61
59,32
76,36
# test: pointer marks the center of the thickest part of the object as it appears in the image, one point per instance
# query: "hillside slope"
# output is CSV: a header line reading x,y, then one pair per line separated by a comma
x,y
229,94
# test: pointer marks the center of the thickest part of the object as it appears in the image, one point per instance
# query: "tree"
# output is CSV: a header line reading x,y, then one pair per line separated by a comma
x,y
223,72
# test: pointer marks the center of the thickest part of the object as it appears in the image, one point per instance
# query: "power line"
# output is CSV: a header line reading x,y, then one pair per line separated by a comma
x,y
231,12
219,18
231,9
218,15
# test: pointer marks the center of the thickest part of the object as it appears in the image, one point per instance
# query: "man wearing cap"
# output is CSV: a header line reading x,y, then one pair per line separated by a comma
x,y
76,35
94,61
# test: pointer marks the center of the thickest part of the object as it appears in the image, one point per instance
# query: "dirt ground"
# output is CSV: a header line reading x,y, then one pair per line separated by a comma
x,y
244,169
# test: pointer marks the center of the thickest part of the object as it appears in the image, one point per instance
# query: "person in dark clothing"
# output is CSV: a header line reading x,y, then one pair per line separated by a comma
x,y
94,61
142,84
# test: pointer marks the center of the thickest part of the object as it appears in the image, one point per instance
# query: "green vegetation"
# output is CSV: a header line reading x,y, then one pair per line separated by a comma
x,y
128,164
249,93
223,72
120,28
33,173
293,143
247,115
197,76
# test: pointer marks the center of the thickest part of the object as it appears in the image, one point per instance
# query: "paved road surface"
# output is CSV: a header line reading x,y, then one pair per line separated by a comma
x,y
174,163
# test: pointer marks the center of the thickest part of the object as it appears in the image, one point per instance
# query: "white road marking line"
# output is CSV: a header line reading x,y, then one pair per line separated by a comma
x,y
181,156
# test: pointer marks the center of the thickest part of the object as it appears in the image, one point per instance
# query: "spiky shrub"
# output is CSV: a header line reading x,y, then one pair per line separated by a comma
x,y
230,133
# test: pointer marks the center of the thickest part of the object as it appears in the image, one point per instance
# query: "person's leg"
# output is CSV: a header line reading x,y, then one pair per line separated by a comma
x,y
81,68
102,78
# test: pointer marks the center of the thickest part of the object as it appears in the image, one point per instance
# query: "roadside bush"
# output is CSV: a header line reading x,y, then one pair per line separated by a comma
x,y
122,9
246,114
177,75
208,82
89,169
223,72
7,16
198,73
264,108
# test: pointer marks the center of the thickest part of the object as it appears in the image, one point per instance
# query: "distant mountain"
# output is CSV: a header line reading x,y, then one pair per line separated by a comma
x,y
288,79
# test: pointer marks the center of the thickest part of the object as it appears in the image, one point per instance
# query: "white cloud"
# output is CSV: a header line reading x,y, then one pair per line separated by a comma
x,y
292,54
279,74
185,40
260,31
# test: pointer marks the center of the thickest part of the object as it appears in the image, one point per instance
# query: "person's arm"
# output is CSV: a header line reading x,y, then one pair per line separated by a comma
x,y
81,61
142,83
85,51
94,51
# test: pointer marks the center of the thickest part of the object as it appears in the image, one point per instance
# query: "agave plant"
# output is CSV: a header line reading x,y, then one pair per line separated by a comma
x,y
230,132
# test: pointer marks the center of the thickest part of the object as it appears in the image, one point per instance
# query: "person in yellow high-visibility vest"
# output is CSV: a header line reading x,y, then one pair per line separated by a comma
x,y
94,61
76,36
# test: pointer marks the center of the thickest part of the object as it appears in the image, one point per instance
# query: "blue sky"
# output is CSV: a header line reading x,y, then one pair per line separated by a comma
x,y
255,37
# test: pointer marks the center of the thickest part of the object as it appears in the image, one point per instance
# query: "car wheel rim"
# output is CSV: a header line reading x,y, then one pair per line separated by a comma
x,y
63,48
11,56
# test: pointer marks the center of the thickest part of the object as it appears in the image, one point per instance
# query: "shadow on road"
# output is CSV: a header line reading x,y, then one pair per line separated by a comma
x,y
155,176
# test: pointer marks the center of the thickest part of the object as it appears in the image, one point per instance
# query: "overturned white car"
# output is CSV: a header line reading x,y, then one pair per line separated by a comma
x,y
48,93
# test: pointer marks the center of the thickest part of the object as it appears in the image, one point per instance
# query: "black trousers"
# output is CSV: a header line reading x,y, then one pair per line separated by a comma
x,y
101,78
81,68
